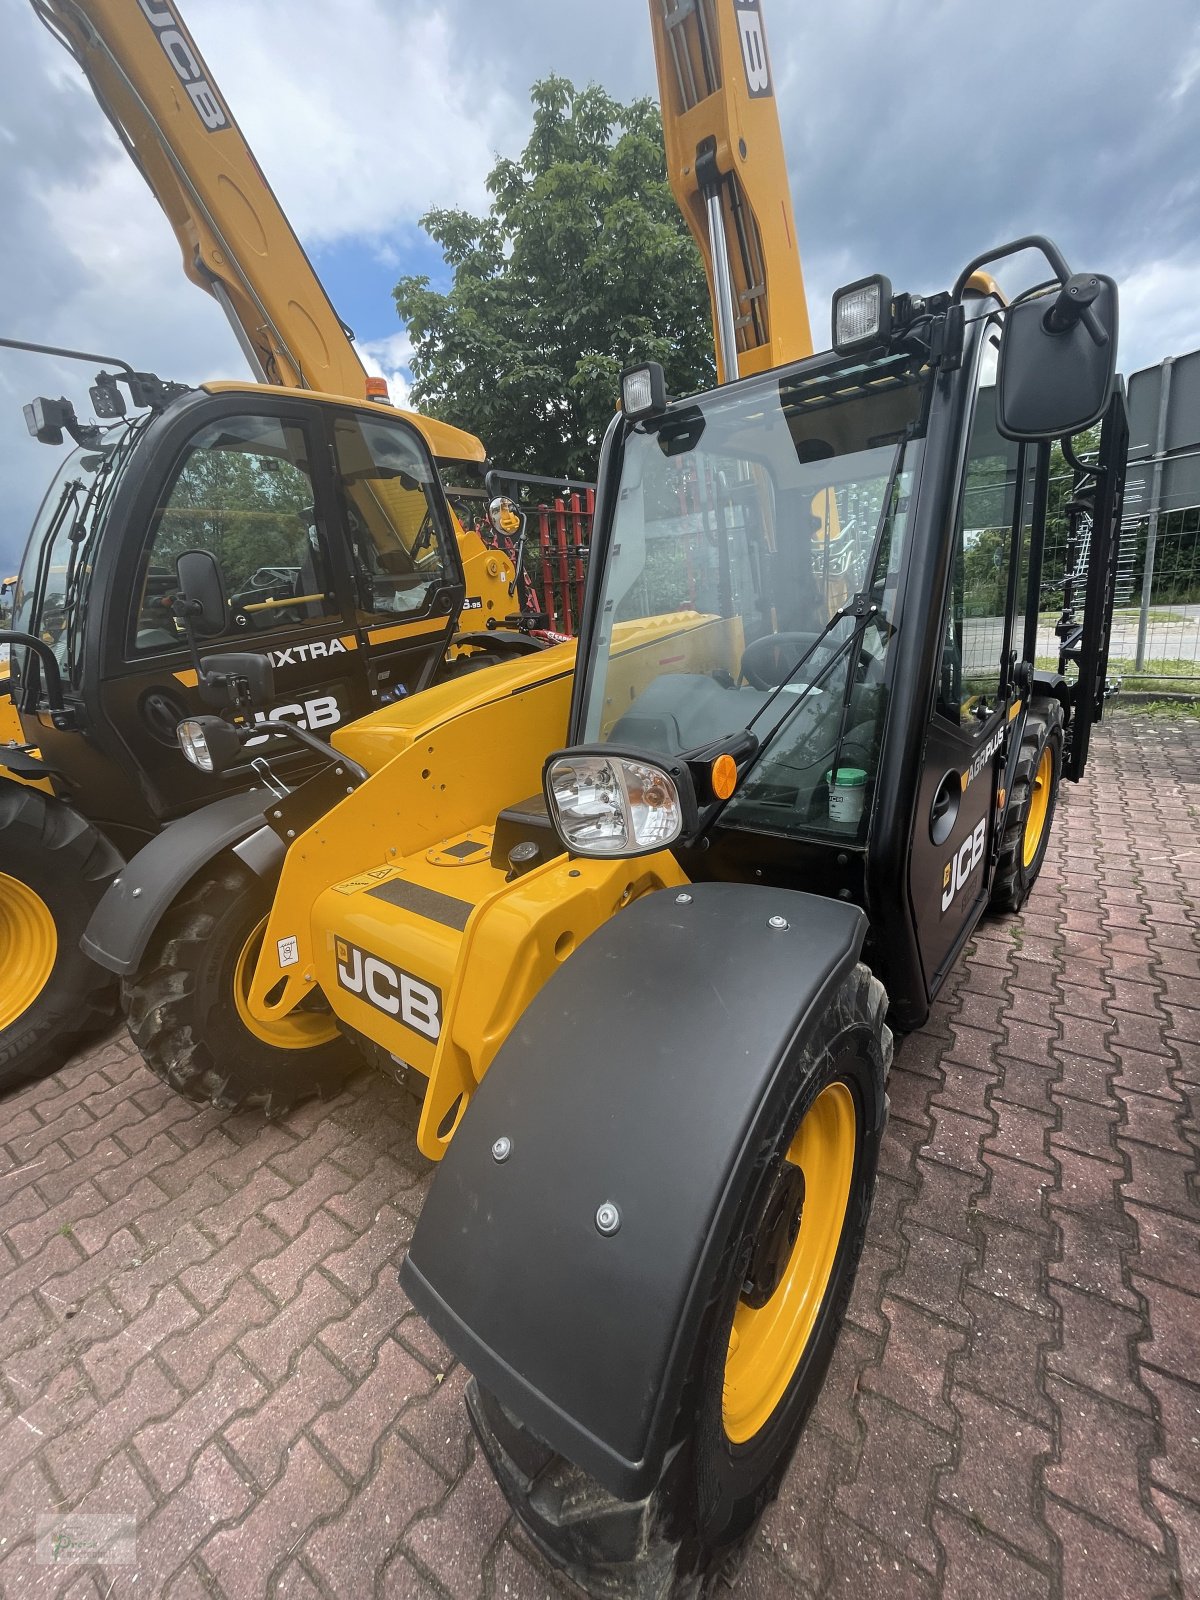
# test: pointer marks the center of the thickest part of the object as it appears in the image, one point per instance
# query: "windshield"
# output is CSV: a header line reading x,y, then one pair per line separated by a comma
x,y
745,521
51,593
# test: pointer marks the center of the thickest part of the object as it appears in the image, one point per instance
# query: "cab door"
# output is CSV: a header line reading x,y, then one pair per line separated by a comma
x,y
967,737
404,575
244,476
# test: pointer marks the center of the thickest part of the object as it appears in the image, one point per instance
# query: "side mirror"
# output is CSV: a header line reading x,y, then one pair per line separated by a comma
x,y
234,679
505,515
202,591
1058,358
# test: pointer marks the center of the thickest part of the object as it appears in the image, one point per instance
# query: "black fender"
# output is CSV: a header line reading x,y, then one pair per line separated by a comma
x,y
133,906
504,641
638,1078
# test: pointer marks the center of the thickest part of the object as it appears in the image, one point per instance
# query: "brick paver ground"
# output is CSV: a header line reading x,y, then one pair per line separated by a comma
x,y
200,1323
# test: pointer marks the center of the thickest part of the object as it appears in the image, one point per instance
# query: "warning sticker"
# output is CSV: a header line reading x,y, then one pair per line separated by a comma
x,y
366,880
289,951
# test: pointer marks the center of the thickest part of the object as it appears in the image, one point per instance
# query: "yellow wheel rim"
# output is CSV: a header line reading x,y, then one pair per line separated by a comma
x,y
298,1030
1039,805
766,1343
28,948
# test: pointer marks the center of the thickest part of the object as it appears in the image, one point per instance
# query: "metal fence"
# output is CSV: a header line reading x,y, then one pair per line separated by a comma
x,y
558,530
1156,632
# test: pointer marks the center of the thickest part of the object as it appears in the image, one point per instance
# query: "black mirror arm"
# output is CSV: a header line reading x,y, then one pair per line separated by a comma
x,y
292,730
1030,241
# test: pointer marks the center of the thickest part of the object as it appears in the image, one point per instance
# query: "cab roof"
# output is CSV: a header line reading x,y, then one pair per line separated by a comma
x,y
446,442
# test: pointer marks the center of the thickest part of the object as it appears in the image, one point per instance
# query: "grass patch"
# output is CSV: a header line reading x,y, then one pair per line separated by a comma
x,y
1170,710
1168,674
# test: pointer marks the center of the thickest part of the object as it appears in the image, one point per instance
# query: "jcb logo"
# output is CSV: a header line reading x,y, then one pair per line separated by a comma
x,y
322,711
960,867
754,48
418,1005
187,68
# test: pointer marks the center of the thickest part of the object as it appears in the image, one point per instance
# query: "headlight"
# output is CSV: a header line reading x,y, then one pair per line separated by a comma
x,y
643,391
612,805
194,743
209,743
862,314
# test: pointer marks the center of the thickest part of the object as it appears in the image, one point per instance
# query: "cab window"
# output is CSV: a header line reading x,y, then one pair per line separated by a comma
x,y
244,491
981,560
386,484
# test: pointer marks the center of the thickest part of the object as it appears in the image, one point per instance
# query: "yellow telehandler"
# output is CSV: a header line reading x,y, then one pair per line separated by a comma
x,y
639,932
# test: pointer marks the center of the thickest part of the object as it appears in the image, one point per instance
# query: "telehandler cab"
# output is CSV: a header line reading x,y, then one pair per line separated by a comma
x,y
337,547
645,960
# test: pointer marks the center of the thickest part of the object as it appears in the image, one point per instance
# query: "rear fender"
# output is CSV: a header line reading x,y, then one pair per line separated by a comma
x,y
639,1076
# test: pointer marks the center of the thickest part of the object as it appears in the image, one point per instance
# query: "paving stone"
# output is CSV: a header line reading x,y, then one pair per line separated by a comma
x,y
189,1360
437,1424
864,1568
1175,1464
273,1346
993,1480
242,1558
1168,1247
945,1200
109,1363
453,1543
264,1438
932,1272
794,1526
979,1567
1099,1563
168,1448
349,1554
1004,1356
350,1431
912,1373
1098,1462
1091,1255
281,1272
893,1485
1183,1519
1174,1321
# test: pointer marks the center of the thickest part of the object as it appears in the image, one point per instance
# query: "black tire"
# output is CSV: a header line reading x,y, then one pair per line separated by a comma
x,y
62,860
181,1011
690,1532
1043,737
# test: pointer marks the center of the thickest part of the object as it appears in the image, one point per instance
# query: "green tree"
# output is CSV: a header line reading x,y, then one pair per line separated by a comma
x,y
581,266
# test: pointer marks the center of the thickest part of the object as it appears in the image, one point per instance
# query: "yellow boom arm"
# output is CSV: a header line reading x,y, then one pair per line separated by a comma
x,y
728,173
152,83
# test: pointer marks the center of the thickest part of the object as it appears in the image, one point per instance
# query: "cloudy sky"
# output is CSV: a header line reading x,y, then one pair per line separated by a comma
x,y
919,132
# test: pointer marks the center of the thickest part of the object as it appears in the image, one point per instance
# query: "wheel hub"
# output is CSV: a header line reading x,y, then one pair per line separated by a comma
x,y
772,1248
28,948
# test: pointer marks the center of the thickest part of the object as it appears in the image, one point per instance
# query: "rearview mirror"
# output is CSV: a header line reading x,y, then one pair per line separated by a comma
x,y
1058,358
202,591
236,679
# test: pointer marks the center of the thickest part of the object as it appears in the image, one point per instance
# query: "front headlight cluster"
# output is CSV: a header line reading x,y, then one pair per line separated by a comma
x,y
611,805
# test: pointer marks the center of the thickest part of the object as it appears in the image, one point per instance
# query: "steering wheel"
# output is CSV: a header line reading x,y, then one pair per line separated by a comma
x,y
766,662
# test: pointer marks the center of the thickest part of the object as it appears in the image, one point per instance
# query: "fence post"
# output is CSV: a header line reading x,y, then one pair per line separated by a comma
x,y
547,574
564,571
1160,445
